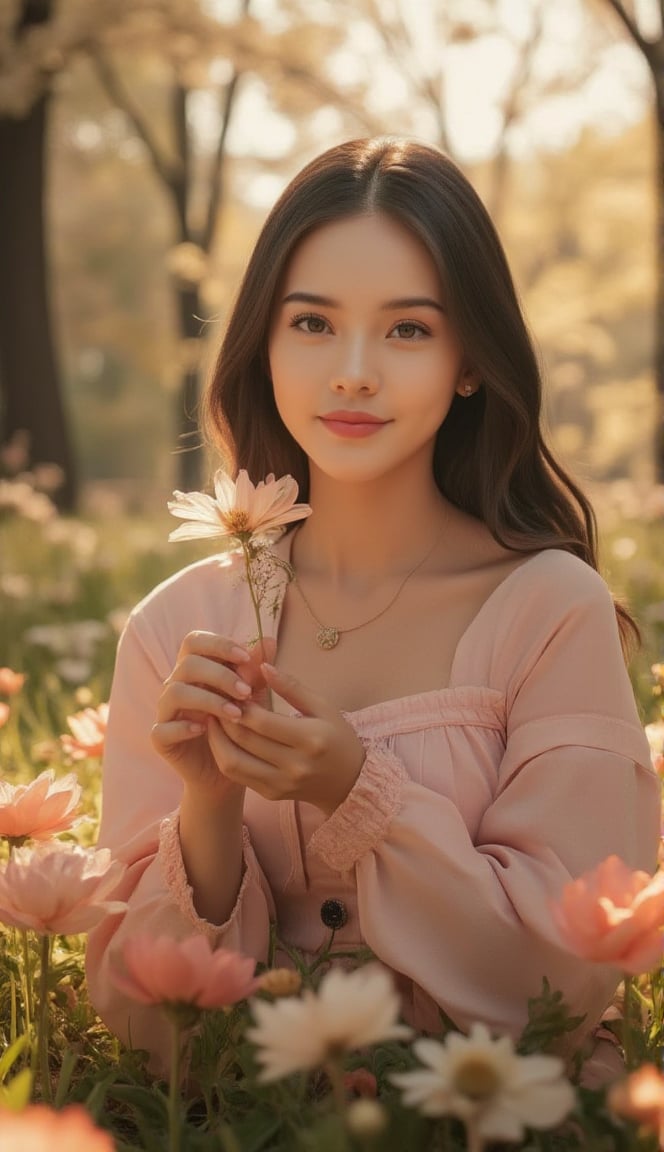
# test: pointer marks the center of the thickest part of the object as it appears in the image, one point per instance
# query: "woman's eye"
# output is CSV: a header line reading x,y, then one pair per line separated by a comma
x,y
409,330
311,323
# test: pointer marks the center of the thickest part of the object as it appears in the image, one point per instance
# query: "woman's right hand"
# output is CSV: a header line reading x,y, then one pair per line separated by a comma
x,y
212,675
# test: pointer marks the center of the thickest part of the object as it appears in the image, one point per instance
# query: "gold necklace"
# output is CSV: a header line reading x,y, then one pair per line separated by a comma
x,y
328,635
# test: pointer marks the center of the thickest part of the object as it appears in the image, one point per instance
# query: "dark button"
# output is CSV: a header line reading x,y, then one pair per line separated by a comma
x,y
333,913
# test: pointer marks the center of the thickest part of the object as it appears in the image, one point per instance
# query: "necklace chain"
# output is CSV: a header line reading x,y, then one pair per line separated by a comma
x,y
328,635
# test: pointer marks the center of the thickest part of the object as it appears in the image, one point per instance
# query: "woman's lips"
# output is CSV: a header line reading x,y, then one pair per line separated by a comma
x,y
352,429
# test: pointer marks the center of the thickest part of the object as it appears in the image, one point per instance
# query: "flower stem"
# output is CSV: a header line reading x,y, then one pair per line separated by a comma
x,y
174,1088
28,1006
252,592
476,1142
336,1077
629,1006
42,1022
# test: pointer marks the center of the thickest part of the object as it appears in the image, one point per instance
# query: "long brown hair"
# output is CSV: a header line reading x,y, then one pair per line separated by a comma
x,y
490,457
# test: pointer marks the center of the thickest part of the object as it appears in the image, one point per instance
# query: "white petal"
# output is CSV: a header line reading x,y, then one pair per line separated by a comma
x,y
543,1106
499,1123
224,490
422,1088
193,506
244,492
194,530
433,1053
539,1068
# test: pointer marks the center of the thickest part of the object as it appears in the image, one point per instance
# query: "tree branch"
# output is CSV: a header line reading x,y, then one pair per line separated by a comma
x,y
510,109
216,171
227,100
180,185
121,99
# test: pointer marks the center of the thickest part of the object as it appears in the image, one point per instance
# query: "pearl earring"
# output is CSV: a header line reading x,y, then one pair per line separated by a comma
x,y
468,390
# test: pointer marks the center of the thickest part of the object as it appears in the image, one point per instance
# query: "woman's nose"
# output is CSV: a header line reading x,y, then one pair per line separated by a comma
x,y
356,371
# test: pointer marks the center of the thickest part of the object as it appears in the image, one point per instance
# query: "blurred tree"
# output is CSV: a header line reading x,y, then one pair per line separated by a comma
x,y
651,47
198,50
422,53
29,374
578,233
420,57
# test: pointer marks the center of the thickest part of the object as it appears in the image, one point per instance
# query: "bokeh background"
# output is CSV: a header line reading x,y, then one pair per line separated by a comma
x,y
141,145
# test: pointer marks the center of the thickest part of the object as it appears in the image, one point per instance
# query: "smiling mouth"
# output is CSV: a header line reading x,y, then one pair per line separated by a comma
x,y
353,425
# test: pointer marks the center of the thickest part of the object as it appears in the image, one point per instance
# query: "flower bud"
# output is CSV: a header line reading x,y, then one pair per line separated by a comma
x,y
366,1118
280,982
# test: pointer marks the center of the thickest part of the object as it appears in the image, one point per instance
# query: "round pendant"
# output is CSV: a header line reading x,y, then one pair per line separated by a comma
x,y
328,637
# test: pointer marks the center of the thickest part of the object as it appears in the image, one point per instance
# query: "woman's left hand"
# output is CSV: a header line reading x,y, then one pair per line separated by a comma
x,y
315,757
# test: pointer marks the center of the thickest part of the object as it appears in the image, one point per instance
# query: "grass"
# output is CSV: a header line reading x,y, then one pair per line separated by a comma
x,y
66,587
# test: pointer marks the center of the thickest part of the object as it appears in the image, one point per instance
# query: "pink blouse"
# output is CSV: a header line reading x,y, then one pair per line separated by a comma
x,y
476,803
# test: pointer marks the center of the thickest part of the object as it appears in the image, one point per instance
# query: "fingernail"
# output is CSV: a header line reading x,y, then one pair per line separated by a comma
x,y
243,688
231,711
239,655
268,667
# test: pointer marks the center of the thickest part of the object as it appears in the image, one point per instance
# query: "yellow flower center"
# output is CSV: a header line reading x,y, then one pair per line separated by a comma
x,y
476,1079
237,521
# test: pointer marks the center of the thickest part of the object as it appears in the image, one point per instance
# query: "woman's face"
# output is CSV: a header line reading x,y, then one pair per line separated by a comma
x,y
363,358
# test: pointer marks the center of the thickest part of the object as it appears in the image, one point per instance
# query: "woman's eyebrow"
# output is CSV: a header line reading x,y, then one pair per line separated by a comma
x,y
310,298
388,306
412,302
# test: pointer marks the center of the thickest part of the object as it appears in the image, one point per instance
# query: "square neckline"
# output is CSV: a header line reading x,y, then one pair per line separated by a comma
x,y
464,639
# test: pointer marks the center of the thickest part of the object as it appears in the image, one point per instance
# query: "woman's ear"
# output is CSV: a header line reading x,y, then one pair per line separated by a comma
x,y
468,383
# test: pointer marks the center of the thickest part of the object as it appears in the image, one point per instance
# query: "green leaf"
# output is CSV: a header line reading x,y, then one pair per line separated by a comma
x,y
16,1095
12,1053
549,1018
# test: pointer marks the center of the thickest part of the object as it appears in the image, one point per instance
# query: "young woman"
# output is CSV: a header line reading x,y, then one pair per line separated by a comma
x,y
452,734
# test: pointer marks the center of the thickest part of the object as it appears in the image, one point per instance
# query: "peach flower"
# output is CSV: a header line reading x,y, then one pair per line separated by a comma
x,y
162,970
4,713
39,1128
10,682
39,809
237,509
640,1097
88,733
54,888
615,916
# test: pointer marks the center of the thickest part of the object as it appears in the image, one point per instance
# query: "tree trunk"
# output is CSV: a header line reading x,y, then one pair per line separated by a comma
x,y
29,378
190,455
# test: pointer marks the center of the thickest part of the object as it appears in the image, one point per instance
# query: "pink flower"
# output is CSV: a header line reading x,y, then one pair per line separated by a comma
x,y
361,1082
614,916
39,1128
4,713
237,510
39,809
54,888
89,732
162,970
10,682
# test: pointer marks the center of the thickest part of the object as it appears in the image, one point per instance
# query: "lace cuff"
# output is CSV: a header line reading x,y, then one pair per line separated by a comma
x,y
360,823
177,881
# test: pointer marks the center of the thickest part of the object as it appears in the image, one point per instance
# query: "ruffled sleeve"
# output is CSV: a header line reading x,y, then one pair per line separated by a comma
x,y
467,917
141,795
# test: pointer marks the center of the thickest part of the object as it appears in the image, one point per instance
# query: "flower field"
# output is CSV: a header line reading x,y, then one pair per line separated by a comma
x,y
310,1060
